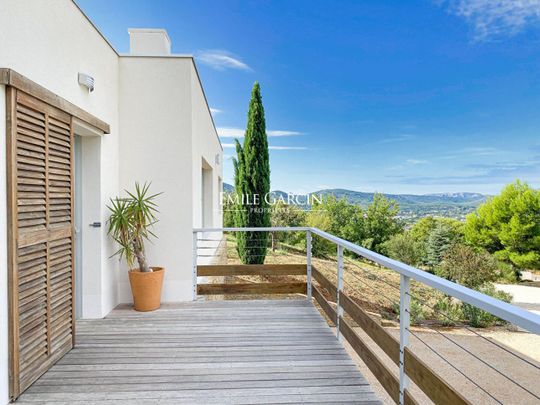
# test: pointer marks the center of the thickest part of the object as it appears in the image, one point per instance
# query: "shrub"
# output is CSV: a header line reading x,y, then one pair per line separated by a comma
x,y
508,273
466,266
448,310
404,248
283,215
479,318
418,314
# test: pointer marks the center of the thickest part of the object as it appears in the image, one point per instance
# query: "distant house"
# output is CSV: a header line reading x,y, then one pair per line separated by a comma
x,y
79,123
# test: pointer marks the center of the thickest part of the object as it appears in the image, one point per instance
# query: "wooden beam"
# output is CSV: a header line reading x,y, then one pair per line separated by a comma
x,y
429,382
324,304
375,331
252,288
388,380
11,78
324,282
252,270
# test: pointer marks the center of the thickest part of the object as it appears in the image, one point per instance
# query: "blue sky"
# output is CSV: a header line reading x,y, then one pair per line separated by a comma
x,y
391,96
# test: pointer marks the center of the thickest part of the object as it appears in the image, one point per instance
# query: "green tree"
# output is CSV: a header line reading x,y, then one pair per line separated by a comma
x,y
421,230
252,183
380,222
405,248
283,215
438,242
338,217
508,226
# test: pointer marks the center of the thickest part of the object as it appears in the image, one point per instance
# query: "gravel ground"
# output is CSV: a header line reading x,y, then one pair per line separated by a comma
x,y
500,387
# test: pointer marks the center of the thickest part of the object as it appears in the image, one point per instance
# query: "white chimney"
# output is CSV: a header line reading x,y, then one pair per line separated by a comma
x,y
149,42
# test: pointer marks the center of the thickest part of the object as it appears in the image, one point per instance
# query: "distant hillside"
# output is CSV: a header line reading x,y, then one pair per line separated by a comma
x,y
455,205
411,206
228,188
407,200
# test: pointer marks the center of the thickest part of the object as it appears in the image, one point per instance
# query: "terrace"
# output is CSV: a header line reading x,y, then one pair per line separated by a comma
x,y
287,332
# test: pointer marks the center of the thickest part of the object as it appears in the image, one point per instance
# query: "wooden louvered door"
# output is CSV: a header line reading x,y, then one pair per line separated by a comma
x,y
40,199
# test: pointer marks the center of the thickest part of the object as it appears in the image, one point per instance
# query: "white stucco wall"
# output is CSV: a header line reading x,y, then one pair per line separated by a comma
x,y
155,116
205,146
161,129
50,42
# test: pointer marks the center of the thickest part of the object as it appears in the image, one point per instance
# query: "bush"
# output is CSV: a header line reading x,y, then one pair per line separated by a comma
x,y
508,273
448,310
466,266
418,313
479,318
284,215
404,248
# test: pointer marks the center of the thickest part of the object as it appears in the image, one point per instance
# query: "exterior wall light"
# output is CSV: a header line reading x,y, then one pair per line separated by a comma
x,y
217,158
86,81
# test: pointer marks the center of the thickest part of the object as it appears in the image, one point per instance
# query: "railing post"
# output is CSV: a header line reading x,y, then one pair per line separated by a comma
x,y
404,324
308,263
194,270
339,288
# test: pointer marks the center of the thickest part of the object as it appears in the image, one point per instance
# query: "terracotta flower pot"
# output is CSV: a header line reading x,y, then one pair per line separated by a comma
x,y
146,288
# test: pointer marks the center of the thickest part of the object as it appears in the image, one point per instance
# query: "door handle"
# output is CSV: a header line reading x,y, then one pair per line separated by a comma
x,y
95,224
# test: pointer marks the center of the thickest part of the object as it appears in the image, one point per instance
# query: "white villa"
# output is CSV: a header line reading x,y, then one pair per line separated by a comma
x,y
80,124
141,116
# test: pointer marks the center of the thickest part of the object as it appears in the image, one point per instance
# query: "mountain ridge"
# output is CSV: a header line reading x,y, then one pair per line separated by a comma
x,y
455,205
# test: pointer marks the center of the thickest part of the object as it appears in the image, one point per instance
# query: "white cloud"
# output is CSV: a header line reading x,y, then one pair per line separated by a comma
x,y
233,132
396,138
215,110
221,60
472,151
282,133
481,151
417,161
287,148
230,132
493,19
232,145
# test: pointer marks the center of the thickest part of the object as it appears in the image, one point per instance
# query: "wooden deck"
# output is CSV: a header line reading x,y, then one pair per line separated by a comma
x,y
215,352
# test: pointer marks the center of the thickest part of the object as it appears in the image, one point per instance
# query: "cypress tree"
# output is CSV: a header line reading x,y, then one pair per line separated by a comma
x,y
252,183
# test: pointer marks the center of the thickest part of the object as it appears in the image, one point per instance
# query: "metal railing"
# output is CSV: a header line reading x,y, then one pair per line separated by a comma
x,y
510,313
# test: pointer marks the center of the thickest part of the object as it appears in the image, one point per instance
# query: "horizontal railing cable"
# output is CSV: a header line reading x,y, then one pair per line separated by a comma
x,y
461,324
372,273
454,367
457,344
429,346
483,361
415,297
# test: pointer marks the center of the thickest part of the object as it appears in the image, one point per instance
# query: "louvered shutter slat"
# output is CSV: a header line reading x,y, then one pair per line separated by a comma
x,y
42,181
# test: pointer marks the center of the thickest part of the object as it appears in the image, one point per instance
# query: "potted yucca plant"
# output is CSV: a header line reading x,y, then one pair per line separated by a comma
x,y
129,226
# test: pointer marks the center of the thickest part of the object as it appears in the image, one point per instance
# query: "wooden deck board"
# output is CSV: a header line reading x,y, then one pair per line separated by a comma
x,y
216,352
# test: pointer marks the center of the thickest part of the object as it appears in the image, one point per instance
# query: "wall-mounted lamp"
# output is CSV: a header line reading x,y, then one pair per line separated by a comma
x,y
86,81
217,158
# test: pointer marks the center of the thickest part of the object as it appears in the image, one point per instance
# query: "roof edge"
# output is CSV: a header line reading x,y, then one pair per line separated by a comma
x,y
95,27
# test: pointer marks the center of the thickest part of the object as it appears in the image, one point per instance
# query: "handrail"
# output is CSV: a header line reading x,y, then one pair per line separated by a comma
x,y
255,229
515,315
